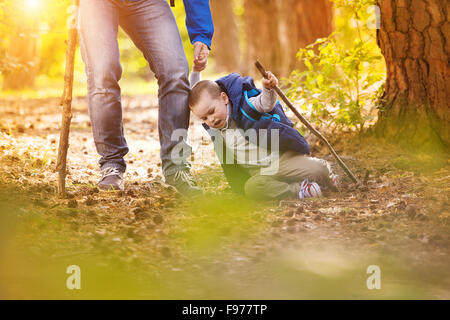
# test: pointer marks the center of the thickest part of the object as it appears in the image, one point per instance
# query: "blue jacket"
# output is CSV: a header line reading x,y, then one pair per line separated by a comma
x,y
199,22
238,89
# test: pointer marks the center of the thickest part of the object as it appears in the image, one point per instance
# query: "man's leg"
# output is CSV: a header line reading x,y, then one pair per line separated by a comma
x,y
153,28
99,20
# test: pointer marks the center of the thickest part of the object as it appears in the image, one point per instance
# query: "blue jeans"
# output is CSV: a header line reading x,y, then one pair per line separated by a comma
x,y
152,27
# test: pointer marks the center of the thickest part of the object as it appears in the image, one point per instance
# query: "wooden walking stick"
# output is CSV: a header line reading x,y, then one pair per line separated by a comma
x,y
307,124
66,101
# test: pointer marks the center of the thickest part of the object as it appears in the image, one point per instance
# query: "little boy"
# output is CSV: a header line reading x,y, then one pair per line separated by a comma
x,y
231,108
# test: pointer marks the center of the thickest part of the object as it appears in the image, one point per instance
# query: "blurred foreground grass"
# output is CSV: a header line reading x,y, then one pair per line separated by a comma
x,y
209,252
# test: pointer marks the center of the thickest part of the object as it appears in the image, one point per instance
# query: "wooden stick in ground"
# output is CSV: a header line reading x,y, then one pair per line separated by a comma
x,y
67,100
307,124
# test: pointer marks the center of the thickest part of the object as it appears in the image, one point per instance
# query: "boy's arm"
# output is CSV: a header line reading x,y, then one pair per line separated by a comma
x,y
195,77
266,101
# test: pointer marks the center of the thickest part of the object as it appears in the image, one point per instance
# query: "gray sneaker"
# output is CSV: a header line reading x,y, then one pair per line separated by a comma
x,y
112,180
184,182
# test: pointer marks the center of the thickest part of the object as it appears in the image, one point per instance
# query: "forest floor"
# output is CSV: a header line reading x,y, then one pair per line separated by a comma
x,y
148,242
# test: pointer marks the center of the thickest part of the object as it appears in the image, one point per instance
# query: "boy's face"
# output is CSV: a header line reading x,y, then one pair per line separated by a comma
x,y
212,111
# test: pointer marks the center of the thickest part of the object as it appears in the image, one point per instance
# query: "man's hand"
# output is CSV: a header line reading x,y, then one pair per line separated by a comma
x,y
201,53
270,82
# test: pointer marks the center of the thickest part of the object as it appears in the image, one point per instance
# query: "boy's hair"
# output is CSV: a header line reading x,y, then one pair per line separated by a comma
x,y
197,90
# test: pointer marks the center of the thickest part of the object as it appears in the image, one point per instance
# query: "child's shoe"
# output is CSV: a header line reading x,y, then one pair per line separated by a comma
x,y
335,180
309,190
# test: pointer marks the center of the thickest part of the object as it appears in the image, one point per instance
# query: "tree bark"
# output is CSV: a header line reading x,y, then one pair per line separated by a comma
x,y
276,30
225,47
415,41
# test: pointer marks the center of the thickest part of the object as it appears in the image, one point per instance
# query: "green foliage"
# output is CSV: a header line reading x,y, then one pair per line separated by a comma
x,y
339,77
46,24
52,34
7,63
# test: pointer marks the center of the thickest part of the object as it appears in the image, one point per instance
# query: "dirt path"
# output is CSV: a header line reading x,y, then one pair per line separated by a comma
x,y
149,243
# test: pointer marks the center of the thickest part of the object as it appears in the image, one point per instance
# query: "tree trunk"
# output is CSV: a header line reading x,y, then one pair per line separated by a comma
x,y
276,30
415,41
261,35
225,47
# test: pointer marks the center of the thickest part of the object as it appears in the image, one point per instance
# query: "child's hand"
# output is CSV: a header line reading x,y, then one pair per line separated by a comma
x,y
201,53
270,82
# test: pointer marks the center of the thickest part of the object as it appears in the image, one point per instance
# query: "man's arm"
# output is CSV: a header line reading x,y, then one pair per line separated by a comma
x,y
199,21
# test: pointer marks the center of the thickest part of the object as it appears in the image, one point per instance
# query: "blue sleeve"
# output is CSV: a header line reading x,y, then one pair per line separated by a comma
x,y
289,139
199,21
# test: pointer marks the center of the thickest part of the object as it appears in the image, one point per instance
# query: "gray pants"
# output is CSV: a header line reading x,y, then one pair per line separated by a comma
x,y
293,168
152,27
